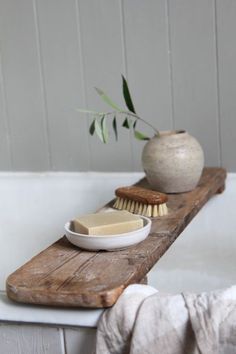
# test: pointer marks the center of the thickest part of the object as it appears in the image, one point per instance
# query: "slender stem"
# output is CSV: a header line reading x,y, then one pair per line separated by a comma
x,y
134,116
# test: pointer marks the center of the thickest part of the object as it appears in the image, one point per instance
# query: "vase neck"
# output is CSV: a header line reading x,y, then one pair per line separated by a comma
x,y
172,133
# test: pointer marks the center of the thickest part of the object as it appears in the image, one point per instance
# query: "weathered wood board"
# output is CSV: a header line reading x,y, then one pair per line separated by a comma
x,y
63,275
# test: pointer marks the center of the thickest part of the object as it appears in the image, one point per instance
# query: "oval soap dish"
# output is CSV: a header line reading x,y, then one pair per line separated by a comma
x,y
108,242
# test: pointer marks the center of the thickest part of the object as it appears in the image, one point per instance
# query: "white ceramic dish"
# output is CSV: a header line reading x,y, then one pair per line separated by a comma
x,y
108,242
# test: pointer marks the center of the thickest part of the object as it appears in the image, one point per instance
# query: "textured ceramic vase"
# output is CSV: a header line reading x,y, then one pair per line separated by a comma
x,y
173,162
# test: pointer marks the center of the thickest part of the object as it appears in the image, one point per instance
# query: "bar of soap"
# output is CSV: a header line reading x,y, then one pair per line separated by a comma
x,y
110,223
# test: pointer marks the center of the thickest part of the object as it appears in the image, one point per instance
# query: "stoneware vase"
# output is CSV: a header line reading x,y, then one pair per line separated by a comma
x,y
173,162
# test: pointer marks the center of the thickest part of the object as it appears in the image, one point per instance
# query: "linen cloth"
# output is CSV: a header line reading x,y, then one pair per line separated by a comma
x,y
144,321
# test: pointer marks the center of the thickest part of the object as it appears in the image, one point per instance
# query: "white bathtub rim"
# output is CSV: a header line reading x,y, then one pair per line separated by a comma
x,y
68,174
14,312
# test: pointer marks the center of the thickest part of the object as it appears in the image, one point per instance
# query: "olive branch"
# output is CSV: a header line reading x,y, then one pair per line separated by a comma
x,y
99,124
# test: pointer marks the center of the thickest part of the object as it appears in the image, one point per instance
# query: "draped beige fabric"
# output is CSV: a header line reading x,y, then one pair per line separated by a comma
x,y
143,321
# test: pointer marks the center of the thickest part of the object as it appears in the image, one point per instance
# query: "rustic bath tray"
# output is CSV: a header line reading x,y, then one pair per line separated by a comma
x,y
63,275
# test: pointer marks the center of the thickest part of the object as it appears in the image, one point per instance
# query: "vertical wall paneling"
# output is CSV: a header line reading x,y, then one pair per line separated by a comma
x,y
81,340
22,85
217,81
193,49
103,65
226,29
148,65
62,340
178,57
42,82
125,69
83,116
29,339
170,62
5,147
63,83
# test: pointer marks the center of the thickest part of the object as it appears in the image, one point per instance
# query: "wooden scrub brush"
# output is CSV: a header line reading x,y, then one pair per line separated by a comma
x,y
141,201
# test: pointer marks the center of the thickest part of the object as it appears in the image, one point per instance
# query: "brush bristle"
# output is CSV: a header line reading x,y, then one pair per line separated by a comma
x,y
140,208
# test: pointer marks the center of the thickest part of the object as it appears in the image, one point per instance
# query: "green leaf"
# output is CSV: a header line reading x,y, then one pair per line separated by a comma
x,y
87,111
127,96
126,123
134,124
104,129
98,130
140,136
114,125
92,127
107,99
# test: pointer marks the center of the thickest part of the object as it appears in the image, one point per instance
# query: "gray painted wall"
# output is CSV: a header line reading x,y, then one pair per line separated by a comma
x,y
179,57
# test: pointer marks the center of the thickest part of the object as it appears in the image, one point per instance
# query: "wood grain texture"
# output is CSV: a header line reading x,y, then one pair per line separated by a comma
x,y
64,275
141,195
29,339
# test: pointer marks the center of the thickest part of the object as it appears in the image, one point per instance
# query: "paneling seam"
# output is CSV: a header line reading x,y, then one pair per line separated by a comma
x,y
42,84
63,341
82,70
170,62
123,40
5,111
125,66
217,83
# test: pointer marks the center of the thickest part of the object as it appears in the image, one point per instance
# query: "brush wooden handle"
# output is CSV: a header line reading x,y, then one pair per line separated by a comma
x,y
141,195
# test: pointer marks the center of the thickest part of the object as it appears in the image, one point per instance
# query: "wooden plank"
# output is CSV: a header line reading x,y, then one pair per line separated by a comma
x,y
23,89
148,67
103,64
31,197
63,83
67,276
28,339
192,33
80,340
226,27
